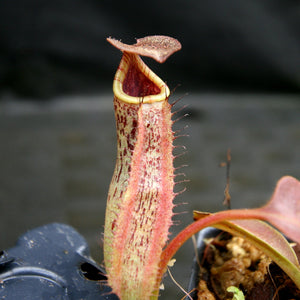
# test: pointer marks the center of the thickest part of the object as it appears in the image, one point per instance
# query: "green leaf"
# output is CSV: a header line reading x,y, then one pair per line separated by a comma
x,y
237,294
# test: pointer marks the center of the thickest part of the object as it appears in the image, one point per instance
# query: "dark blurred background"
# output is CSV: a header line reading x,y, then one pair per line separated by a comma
x,y
240,64
54,47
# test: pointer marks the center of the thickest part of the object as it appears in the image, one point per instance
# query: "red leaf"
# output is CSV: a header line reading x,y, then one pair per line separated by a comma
x,y
283,209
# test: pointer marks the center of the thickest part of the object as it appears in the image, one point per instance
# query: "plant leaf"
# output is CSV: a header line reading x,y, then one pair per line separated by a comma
x,y
270,241
283,209
259,233
237,294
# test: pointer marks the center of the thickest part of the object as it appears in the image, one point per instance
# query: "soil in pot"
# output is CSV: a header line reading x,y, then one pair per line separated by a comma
x,y
232,261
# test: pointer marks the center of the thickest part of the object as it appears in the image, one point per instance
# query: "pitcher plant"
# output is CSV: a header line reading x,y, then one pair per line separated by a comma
x,y
140,198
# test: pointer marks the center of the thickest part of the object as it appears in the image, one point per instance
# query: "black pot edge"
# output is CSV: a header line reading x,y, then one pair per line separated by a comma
x,y
206,233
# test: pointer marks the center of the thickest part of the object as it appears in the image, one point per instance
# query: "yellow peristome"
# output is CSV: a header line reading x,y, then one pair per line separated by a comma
x,y
143,68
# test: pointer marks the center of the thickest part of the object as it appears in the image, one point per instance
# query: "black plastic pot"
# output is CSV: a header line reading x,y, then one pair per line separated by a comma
x,y
206,233
51,262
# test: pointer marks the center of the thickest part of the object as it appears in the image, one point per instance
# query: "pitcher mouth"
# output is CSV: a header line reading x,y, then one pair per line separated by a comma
x,y
135,83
